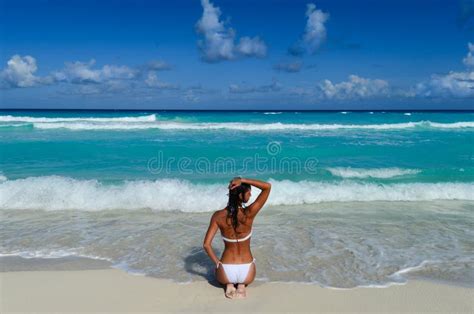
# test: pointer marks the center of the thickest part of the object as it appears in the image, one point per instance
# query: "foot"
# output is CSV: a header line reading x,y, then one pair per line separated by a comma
x,y
241,292
230,291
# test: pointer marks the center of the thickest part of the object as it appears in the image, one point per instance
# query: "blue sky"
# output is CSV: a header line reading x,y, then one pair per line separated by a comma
x,y
237,54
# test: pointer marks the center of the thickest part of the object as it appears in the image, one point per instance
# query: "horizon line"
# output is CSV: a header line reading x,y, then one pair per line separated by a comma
x,y
240,110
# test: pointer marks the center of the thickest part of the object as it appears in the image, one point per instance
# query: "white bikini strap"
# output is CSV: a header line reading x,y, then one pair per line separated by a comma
x,y
237,240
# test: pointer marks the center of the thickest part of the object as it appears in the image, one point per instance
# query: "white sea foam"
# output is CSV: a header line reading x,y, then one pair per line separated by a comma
x,y
381,173
151,122
9,118
410,269
60,253
278,126
9,125
63,193
454,125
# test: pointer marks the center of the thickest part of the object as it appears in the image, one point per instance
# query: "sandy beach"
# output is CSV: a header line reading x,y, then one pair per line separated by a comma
x,y
112,290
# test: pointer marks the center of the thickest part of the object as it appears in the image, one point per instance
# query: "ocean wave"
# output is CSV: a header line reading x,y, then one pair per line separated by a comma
x,y
64,193
45,253
278,126
380,173
9,118
14,125
454,125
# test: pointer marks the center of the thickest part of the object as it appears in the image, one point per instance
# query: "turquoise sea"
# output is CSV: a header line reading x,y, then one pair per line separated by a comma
x,y
358,198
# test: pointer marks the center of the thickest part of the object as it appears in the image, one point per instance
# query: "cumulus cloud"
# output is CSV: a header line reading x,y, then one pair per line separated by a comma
x,y
252,47
20,72
90,79
469,59
83,73
113,78
315,32
457,84
290,67
355,87
219,41
245,89
453,84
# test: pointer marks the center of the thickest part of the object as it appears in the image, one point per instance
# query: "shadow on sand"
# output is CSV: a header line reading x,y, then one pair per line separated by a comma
x,y
199,263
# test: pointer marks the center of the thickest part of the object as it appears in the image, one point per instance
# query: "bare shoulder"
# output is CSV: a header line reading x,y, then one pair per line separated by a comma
x,y
219,214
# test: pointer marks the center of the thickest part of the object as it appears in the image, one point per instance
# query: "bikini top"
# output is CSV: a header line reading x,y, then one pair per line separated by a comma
x,y
237,240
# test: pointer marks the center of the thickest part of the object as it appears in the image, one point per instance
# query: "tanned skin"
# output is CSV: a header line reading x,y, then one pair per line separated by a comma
x,y
236,253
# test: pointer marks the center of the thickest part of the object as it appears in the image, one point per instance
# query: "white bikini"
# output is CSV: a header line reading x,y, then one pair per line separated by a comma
x,y
237,273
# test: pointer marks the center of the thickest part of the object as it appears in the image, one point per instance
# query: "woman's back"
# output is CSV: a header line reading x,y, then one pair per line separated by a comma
x,y
237,241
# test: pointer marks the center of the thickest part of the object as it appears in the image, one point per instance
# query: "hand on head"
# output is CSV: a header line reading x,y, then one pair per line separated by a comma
x,y
235,182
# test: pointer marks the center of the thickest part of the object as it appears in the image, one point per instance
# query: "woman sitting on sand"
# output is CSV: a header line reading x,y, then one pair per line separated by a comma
x,y
237,265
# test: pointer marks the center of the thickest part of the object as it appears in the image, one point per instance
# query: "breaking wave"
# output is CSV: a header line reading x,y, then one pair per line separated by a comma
x,y
64,193
152,122
265,127
380,173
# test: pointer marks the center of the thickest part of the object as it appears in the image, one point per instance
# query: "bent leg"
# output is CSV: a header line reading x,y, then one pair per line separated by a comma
x,y
251,274
221,275
241,292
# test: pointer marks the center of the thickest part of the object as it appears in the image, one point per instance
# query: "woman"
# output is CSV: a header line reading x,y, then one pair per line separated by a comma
x,y
237,265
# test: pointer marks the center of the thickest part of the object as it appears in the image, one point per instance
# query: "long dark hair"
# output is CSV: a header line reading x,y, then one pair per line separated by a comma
x,y
235,202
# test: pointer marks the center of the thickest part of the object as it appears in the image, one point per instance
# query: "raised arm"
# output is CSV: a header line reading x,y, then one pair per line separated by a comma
x,y
262,197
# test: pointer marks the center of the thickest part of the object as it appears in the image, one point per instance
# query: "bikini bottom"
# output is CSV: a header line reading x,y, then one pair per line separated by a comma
x,y
237,273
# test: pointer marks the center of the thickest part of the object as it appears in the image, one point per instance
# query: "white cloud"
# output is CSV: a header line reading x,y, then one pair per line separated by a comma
x,y
121,72
20,72
114,78
83,73
453,84
457,84
252,47
108,79
469,59
315,32
355,87
218,43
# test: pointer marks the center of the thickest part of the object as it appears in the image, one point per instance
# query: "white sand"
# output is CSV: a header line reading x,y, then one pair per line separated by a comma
x,y
112,290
